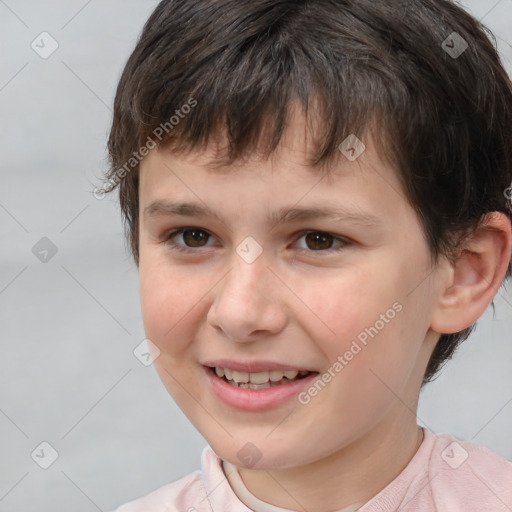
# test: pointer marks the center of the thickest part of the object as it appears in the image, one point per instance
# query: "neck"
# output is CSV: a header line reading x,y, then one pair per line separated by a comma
x,y
352,475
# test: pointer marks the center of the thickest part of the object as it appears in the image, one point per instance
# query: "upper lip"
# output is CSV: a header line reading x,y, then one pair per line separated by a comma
x,y
254,366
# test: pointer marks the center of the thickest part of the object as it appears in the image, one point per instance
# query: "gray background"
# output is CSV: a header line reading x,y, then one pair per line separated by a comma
x,y
68,328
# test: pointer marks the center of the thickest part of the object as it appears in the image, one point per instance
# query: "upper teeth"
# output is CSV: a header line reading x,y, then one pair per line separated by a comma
x,y
259,377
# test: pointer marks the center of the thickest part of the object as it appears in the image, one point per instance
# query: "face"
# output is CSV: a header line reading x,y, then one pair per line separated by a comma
x,y
347,296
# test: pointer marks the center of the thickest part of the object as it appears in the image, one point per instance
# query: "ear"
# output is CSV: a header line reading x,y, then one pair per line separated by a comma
x,y
473,280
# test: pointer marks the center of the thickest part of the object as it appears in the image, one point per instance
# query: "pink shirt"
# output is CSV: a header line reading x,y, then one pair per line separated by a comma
x,y
445,475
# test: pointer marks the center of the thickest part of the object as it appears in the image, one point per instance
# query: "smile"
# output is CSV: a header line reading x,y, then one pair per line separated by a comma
x,y
259,380
271,389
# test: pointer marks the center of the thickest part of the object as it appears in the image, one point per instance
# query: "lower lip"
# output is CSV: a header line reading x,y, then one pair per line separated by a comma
x,y
256,399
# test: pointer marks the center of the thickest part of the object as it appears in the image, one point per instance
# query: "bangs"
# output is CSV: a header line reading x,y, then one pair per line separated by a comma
x,y
265,77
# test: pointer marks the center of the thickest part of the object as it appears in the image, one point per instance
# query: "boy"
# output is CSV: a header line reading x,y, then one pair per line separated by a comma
x,y
315,197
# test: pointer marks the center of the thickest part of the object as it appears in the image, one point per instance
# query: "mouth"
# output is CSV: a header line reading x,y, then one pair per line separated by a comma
x,y
258,380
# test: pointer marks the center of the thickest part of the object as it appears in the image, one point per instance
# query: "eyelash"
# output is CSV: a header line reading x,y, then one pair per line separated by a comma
x,y
180,248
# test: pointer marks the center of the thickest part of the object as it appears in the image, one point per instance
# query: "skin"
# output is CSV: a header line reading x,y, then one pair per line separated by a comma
x,y
301,306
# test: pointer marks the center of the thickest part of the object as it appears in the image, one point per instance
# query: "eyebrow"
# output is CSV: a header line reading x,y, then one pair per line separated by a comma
x,y
282,216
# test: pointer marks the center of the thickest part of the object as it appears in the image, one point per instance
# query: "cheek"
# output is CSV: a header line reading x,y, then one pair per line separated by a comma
x,y
168,303
350,308
169,306
369,322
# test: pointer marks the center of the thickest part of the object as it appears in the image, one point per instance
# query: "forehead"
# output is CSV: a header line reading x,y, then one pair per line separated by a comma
x,y
357,175
298,145
201,183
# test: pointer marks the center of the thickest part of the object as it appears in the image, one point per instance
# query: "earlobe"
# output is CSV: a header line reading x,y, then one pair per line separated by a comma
x,y
476,275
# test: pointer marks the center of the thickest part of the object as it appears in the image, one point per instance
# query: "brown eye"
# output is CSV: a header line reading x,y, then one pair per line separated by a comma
x,y
317,241
194,237
321,242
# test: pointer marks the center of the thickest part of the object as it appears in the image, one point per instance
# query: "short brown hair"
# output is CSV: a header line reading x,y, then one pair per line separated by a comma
x,y
444,117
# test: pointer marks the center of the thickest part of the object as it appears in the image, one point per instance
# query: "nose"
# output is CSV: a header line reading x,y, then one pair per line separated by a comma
x,y
248,304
